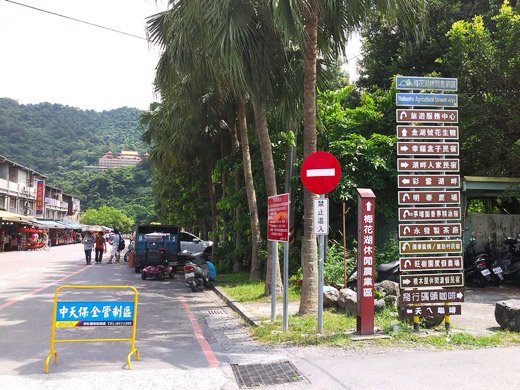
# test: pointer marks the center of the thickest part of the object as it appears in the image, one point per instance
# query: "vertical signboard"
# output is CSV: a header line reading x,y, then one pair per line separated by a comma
x,y
321,217
365,261
430,141
278,218
40,198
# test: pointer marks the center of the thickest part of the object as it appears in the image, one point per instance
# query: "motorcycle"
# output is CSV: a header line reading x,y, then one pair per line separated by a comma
x,y
511,261
476,266
387,271
199,271
164,268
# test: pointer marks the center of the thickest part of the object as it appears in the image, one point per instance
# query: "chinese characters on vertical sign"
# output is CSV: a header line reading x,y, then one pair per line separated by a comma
x,y
40,197
365,269
321,217
443,253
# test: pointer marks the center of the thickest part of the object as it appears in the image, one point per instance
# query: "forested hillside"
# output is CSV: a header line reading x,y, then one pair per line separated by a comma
x,y
59,141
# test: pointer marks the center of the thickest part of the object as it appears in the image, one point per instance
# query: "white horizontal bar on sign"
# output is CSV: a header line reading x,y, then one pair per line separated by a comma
x,y
321,172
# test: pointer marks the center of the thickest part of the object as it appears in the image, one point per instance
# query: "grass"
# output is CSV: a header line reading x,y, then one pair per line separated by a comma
x,y
337,326
244,290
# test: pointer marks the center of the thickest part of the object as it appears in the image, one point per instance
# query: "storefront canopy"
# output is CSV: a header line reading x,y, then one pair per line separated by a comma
x,y
12,217
49,224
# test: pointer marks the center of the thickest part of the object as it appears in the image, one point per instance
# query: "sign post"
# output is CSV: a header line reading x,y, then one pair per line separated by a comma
x,y
278,230
430,233
365,261
320,173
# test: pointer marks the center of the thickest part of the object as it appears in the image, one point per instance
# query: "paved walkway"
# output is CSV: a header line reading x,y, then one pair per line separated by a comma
x,y
478,309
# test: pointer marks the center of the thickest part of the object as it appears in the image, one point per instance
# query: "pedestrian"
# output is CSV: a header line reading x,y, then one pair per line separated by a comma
x,y
116,251
2,240
88,244
101,247
19,241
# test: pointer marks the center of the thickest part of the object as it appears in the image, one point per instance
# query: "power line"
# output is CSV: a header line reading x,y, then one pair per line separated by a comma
x,y
76,20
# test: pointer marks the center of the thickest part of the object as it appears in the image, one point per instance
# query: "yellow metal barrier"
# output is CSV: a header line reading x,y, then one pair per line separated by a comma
x,y
53,328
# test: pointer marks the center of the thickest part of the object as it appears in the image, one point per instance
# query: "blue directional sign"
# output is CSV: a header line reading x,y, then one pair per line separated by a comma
x,y
429,83
426,99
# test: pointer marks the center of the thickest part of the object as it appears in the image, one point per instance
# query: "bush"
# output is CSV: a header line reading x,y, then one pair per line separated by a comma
x,y
333,267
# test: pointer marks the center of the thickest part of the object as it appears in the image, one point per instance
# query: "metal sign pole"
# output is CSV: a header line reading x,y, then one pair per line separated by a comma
x,y
274,257
285,286
321,255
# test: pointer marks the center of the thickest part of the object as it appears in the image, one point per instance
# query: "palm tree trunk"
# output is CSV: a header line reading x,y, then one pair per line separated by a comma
x,y
309,258
250,190
237,265
266,153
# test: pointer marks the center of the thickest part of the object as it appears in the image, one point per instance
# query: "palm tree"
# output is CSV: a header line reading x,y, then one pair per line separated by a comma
x,y
323,27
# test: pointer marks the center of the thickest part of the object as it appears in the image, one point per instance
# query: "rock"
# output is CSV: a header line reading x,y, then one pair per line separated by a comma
x,y
379,304
347,300
330,296
391,300
507,314
390,288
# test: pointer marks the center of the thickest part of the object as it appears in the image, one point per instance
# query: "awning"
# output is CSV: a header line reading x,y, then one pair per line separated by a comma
x,y
49,224
12,217
30,230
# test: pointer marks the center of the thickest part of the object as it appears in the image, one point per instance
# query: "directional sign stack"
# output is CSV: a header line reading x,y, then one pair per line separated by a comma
x,y
429,200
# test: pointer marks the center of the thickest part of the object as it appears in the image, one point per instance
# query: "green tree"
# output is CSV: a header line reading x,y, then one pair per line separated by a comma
x,y
108,216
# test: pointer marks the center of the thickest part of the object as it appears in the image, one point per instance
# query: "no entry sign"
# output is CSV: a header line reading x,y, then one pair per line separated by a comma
x,y
320,172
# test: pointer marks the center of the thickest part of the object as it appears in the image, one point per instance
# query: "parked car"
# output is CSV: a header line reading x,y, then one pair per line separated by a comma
x,y
192,244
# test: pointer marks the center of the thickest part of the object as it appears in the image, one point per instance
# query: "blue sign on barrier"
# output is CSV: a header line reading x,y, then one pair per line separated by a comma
x,y
426,99
108,312
431,83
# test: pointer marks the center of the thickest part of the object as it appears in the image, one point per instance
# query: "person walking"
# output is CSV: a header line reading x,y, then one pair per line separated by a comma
x,y
88,244
100,247
116,250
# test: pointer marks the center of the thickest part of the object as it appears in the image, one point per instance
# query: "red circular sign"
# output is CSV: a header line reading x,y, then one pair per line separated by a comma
x,y
320,172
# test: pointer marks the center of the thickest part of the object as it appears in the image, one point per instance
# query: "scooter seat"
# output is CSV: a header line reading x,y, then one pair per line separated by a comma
x,y
387,266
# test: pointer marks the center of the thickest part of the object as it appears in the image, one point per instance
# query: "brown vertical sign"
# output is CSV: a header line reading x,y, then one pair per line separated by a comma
x,y
365,263
431,203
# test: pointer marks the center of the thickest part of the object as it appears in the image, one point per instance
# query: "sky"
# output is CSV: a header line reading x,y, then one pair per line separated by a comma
x,y
45,58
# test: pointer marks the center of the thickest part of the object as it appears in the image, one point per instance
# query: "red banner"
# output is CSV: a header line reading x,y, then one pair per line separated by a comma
x,y
40,197
278,218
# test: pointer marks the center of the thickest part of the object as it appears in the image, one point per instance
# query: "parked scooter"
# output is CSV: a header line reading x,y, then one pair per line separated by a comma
x,y
387,271
476,269
165,268
199,272
511,261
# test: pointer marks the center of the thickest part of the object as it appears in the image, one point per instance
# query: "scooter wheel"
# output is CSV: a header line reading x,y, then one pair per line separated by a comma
x,y
143,276
171,275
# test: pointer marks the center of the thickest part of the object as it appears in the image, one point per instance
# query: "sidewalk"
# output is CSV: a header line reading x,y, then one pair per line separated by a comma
x,y
477,318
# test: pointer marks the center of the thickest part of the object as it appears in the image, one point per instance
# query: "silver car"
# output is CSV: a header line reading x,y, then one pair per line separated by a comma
x,y
192,244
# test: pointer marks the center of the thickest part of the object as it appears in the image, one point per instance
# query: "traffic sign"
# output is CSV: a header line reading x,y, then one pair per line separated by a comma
x,y
409,297
431,263
429,311
428,197
429,214
424,247
427,165
430,83
427,148
320,172
427,132
278,218
455,279
427,116
426,99
428,181
321,217
420,230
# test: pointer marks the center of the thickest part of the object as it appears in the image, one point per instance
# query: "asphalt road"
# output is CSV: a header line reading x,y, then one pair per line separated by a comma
x,y
188,340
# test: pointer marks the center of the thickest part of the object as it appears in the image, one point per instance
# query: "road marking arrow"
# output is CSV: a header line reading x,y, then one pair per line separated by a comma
x,y
405,181
405,246
404,132
460,295
406,230
407,263
406,197
403,115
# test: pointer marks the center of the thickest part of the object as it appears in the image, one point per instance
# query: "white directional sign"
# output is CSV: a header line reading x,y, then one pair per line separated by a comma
x,y
428,83
428,197
427,165
427,148
427,132
427,116
428,181
419,230
424,214
422,247
426,99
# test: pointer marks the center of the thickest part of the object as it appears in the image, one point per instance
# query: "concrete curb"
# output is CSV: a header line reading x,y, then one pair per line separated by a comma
x,y
237,307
